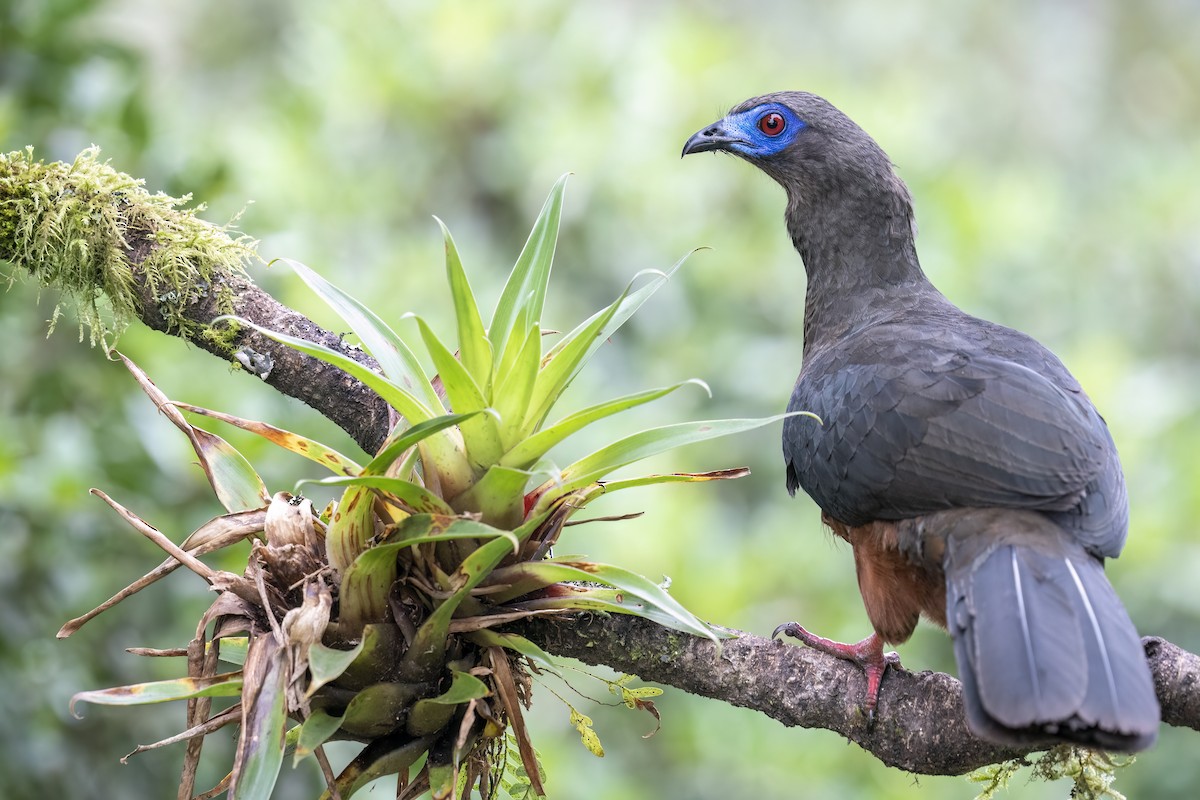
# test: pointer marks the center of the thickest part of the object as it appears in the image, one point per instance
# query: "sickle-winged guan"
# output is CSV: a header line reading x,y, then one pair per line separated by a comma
x,y
971,475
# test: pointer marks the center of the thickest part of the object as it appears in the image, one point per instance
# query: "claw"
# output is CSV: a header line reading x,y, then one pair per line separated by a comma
x,y
788,628
868,654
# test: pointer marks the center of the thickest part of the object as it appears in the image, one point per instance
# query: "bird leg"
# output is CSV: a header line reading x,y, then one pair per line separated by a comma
x,y
867,654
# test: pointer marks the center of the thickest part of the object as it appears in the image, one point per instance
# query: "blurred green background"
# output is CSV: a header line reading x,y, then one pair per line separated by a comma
x,y
1054,153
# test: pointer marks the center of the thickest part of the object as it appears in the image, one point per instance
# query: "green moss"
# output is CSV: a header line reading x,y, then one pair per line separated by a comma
x,y
995,777
74,227
1092,772
223,337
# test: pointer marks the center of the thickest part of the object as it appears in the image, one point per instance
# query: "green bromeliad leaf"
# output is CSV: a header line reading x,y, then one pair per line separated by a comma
x,y
513,347
386,756
423,529
485,637
625,309
425,653
397,396
233,649
348,534
226,685
473,346
579,498
260,746
416,498
525,290
526,452
608,487
394,356
315,731
481,434
561,365
462,392
237,485
365,583
444,455
402,439
327,664
498,496
613,601
512,396
638,446
376,710
628,592
463,688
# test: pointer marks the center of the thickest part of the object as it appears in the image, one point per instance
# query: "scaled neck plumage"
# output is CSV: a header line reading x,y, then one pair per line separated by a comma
x,y
860,257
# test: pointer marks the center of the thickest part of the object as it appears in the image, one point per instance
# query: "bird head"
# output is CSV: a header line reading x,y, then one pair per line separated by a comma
x,y
797,138
821,158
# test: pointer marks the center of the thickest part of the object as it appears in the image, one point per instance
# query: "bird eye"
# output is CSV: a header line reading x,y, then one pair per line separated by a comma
x,y
772,124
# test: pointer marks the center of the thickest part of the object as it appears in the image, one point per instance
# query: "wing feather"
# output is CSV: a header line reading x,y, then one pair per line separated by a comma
x,y
958,429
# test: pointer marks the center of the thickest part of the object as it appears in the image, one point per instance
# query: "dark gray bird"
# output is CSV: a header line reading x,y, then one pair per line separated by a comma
x,y
971,475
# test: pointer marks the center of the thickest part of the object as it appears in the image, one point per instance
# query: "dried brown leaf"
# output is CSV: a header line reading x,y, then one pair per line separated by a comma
x,y
226,717
213,535
506,689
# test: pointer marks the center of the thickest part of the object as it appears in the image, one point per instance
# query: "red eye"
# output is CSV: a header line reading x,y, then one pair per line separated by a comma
x,y
772,124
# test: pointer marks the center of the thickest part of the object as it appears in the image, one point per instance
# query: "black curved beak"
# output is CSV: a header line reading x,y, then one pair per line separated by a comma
x,y
713,137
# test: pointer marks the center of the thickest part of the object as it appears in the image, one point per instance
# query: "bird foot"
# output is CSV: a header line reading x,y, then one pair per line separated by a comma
x,y
867,654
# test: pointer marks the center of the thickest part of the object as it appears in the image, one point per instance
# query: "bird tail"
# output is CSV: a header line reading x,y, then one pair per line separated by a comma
x,y
1045,649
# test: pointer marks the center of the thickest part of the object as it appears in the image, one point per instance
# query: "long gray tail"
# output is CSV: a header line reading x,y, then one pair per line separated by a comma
x,y
1045,649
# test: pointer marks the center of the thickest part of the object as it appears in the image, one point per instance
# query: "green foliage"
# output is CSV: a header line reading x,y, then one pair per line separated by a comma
x,y
71,226
435,536
164,691
1091,773
583,724
514,781
995,777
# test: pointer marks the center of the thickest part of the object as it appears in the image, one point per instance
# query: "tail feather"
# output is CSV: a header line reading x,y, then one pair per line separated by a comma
x,y
1124,700
1044,647
1021,606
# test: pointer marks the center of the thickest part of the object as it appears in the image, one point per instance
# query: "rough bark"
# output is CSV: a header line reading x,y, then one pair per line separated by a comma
x,y
342,399
919,724
1177,681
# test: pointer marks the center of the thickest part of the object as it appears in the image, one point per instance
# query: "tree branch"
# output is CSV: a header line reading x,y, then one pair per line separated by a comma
x,y
344,400
919,722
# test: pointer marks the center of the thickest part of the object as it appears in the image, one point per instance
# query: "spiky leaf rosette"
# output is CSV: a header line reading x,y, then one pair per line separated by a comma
x,y
374,620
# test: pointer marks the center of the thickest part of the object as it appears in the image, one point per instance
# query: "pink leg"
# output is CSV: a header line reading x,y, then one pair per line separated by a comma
x,y
868,654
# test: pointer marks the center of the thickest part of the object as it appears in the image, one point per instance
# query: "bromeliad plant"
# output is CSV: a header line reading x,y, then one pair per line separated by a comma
x,y
375,620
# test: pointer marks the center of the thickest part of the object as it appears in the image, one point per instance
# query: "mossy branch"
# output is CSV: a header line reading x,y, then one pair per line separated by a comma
x,y
99,236
118,253
77,228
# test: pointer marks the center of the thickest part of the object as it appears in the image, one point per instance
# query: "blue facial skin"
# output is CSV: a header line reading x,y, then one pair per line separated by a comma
x,y
749,139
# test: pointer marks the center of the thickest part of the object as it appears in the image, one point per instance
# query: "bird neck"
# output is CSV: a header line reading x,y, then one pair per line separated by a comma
x,y
860,258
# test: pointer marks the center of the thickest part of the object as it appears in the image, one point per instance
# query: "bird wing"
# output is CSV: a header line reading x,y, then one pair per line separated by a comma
x,y
915,420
